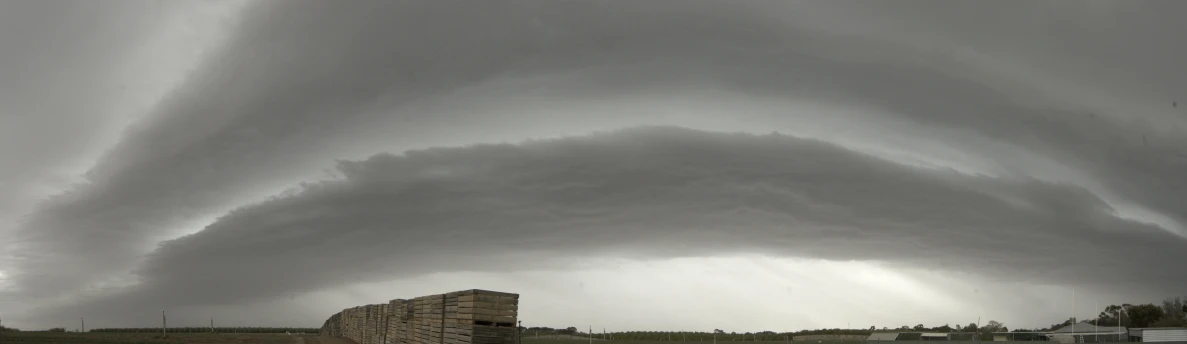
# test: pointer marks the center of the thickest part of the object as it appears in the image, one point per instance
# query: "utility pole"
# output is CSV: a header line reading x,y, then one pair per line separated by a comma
x,y
82,325
163,325
590,334
977,331
211,324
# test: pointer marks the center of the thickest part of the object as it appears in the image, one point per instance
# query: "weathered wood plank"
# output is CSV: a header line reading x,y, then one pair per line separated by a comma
x,y
487,298
487,305
494,318
487,311
486,292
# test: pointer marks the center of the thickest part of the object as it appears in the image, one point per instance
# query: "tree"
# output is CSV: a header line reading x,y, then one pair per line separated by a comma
x,y
919,327
872,328
568,330
1144,315
971,328
57,329
1169,322
1108,317
1174,308
993,326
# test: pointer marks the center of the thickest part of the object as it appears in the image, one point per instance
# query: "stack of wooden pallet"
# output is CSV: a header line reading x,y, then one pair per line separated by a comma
x,y
360,323
365,336
462,317
482,317
350,324
377,328
397,322
429,319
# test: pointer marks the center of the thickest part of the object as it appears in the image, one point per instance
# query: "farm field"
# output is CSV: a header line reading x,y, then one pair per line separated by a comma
x,y
579,340
154,338
272,338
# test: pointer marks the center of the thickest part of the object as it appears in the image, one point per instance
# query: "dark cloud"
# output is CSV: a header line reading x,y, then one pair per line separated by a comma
x,y
246,118
651,193
56,88
1016,95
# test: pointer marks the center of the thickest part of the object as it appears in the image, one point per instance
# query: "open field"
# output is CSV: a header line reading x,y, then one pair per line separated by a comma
x,y
154,338
579,340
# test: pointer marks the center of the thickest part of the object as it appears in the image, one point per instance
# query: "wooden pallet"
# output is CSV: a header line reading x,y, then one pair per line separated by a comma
x,y
472,316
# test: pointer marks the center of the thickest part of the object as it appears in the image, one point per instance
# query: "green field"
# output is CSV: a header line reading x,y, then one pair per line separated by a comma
x,y
529,340
143,338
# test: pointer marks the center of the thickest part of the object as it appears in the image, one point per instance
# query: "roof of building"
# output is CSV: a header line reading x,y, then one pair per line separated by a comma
x,y
1082,328
883,336
937,335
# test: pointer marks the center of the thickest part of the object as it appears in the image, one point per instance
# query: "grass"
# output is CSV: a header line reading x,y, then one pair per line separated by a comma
x,y
529,340
144,338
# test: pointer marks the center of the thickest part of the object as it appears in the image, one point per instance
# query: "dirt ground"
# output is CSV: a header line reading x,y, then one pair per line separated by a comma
x,y
154,338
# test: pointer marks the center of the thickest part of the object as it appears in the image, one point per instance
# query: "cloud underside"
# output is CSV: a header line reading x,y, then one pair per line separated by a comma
x,y
652,193
301,83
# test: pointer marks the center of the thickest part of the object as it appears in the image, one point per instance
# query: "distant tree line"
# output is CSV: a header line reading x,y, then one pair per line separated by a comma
x,y
529,332
216,329
8,329
1171,313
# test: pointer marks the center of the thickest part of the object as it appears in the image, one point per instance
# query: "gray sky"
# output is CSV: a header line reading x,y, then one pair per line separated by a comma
x,y
271,162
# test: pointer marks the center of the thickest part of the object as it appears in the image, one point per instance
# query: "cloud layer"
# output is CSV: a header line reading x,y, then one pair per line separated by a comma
x,y
652,193
1035,144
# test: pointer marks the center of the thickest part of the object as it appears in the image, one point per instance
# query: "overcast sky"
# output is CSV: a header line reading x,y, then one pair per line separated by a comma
x,y
648,165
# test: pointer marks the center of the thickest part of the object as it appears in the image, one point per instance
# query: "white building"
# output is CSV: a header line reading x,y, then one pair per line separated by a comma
x,y
1159,334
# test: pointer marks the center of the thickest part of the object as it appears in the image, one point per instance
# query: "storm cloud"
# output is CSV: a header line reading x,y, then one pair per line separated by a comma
x,y
1002,139
653,193
660,193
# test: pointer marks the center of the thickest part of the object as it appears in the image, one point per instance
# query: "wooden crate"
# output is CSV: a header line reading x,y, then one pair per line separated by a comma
x,y
472,316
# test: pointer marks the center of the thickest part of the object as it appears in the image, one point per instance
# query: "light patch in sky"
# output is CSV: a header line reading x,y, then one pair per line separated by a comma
x,y
186,34
735,293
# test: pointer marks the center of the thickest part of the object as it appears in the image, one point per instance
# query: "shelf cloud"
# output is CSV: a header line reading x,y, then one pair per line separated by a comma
x,y
1038,143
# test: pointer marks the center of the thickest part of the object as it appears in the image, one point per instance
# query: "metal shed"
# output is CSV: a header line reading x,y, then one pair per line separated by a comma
x,y
1160,334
